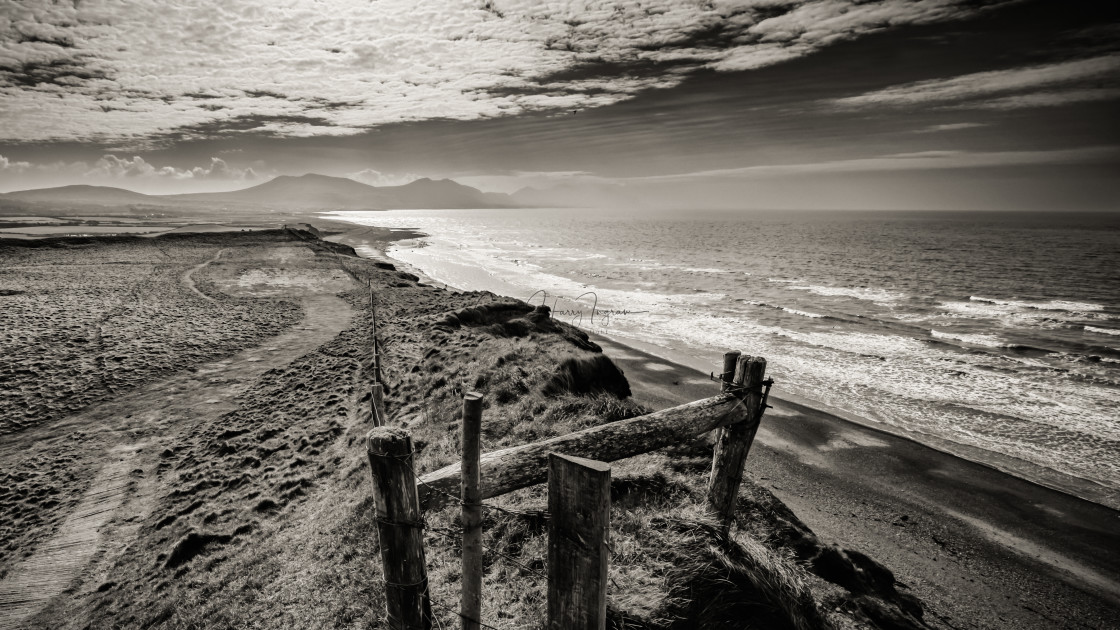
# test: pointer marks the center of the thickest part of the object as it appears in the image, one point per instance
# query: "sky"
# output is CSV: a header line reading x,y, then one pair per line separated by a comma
x,y
877,104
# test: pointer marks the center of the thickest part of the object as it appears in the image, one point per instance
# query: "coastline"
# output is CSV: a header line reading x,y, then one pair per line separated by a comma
x,y
374,242
939,519
978,548
840,476
1082,489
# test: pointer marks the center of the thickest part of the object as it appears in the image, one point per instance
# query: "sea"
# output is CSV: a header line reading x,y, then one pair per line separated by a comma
x,y
994,336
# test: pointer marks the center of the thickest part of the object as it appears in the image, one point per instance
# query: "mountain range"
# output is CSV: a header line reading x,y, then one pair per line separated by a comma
x,y
305,192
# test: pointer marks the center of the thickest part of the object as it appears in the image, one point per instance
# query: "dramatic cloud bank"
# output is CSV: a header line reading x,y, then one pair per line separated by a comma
x,y
113,166
923,160
148,71
1095,78
132,172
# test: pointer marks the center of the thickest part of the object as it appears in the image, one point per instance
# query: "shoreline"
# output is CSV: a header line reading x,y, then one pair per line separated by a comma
x,y
982,549
382,239
912,505
1076,487
852,461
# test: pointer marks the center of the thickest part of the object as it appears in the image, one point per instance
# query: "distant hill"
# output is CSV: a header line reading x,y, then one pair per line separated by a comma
x,y
574,195
96,195
446,193
306,191
322,191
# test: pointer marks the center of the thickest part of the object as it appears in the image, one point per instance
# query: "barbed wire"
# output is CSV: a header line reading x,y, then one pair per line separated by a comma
x,y
427,591
456,537
453,536
453,611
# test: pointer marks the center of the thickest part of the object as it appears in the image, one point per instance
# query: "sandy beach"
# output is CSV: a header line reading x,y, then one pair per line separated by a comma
x,y
984,548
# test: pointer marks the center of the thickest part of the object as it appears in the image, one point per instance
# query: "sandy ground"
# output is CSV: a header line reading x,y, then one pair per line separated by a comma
x,y
981,548
83,322
78,485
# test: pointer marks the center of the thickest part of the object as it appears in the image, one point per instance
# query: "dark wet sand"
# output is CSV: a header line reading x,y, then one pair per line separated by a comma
x,y
980,547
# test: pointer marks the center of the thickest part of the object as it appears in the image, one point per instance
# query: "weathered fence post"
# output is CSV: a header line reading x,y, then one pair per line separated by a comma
x,y
471,605
377,398
730,360
377,405
376,345
579,506
734,442
364,404
377,361
399,529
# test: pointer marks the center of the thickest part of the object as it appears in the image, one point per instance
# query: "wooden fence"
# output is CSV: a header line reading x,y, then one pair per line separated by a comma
x,y
578,493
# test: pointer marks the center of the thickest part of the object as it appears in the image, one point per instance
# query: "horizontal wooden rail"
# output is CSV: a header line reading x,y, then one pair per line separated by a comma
x,y
522,466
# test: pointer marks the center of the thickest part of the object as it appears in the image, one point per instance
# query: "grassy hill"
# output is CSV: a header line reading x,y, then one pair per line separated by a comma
x,y
260,515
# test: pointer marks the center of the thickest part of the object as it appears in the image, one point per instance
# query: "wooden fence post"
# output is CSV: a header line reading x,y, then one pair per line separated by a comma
x,y
730,361
471,604
579,507
730,455
377,405
364,403
377,400
376,361
376,346
399,529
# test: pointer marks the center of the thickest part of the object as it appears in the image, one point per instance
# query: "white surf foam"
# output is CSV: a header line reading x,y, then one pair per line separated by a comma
x,y
878,296
1042,305
1103,331
989,341
802,313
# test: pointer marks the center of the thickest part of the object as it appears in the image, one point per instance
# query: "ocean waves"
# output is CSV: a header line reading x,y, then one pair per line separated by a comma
x,y
1103,331
1041,314
878,296
934,353
1077,308
976,339
786,309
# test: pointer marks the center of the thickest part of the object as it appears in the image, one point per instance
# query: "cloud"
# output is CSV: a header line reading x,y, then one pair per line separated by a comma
x,y
809,26
1095,78
117,167
149,71
950,127
133,172
922,160
512,181
377,178
1048,99
8,166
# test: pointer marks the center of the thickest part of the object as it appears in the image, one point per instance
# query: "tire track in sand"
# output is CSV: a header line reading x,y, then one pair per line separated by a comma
x,y
136,427
54,565
189,282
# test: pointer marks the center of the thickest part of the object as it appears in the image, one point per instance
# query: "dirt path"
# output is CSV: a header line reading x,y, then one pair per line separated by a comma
x,y
56,563
189,282
130,431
